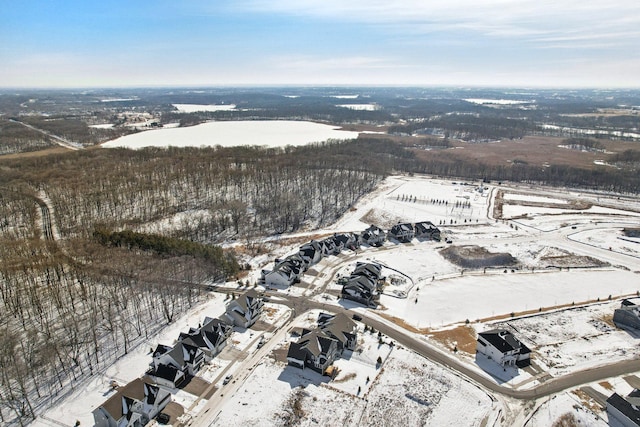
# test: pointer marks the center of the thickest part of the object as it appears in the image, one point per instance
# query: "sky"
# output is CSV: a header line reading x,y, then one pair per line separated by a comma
x,y
124,43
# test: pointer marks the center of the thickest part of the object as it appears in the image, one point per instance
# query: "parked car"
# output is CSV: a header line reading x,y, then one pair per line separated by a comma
x,y
227,379
163,418
356,317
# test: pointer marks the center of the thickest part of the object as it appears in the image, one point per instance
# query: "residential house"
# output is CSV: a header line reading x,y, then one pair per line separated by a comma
x,y
133,405
285,272
503,347
373,236
345,241
402,232
625,410
340,328
310,253
426,230
166,375
627,316
328,247
245,310
371,270
210,338
182,356
315,350
361,289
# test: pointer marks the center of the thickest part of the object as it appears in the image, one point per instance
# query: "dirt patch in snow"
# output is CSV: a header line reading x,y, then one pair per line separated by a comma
x,y
554,257
475,257
462,338
381,218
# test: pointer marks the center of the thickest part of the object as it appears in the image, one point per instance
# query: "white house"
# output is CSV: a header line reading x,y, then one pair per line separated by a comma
x,y
285,272
133,405
503,347
625,410
627,316
311,253
245,310
210,338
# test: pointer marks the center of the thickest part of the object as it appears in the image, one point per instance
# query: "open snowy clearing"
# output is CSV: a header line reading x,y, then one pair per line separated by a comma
x,y
276,133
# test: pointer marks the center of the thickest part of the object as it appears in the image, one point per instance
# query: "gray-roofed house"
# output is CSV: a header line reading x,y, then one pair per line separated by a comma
x,y
627,316
311,253
402,232
315,350
373,236
211,337
133,405
427,230
245,310
182,356
285,272
361,289
340,328
625,410
345,241
503,347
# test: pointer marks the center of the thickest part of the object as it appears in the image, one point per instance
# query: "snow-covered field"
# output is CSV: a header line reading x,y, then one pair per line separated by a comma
x,y
276,133
193,108
361,107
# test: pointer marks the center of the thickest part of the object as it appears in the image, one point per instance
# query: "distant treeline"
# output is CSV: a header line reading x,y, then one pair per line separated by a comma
x,y
469,127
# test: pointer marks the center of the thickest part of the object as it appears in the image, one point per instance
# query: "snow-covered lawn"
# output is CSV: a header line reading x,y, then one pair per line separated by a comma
x,y
557,406
405,390
275,133
575,338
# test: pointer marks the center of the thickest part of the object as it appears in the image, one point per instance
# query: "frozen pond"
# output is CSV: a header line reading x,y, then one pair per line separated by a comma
x,y
274,133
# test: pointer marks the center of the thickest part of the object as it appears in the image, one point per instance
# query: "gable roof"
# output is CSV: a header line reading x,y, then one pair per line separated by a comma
x,y
316,342
627,409
114,405
504,341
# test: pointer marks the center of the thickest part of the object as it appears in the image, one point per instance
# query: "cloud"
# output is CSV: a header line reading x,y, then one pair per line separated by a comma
x,y
531,20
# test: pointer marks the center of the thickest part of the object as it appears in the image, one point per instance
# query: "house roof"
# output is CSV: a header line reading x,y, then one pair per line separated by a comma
x,y
316,342
504,341
296,351
627,409
161,349
167,372
371,270
134,390
402,228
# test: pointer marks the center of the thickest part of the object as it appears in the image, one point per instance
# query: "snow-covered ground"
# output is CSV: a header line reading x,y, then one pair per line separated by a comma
x,y
275,133
193,108
410,390
406,390
575,338
362,107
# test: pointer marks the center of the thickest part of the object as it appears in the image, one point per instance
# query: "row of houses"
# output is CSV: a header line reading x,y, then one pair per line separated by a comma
x,y
172,366
318,348
364,284
288,271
